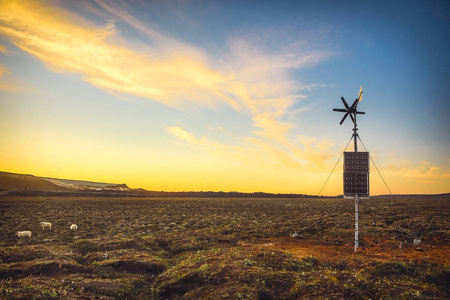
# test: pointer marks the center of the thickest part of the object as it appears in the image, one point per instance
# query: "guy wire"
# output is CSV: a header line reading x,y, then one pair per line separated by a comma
x,y
376,168
335,166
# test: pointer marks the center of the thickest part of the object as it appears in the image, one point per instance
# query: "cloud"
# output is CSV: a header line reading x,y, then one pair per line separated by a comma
x,y
12,85
6,82
271,128
253,77
55,37
404,176
272,154
270,89
3,70
4,86
203,142
243,153
310,155
183,135
424,171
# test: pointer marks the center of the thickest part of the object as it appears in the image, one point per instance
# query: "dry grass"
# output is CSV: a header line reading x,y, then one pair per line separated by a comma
x,y
161,248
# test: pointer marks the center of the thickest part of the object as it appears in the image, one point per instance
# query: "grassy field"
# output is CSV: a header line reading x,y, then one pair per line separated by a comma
x,y
224,248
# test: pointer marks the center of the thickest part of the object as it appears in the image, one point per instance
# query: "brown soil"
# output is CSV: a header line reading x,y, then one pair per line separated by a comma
x,y
389,250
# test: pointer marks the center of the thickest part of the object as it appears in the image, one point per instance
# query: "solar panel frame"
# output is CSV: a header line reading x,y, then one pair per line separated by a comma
x,y
356,174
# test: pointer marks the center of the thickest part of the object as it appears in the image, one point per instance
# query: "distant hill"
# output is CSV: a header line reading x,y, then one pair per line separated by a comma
x,y
12,181
82,184
24,182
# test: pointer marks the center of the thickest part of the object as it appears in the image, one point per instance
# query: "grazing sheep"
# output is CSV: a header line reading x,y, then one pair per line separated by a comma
x,y
73,227
46,225
23,234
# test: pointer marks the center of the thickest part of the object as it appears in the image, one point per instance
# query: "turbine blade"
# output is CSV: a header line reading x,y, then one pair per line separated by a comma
x,y
361,112
360,94
339,109
353,119
343,119
345,103
355,104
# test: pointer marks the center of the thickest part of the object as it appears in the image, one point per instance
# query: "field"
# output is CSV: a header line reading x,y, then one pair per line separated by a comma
x,y
224,248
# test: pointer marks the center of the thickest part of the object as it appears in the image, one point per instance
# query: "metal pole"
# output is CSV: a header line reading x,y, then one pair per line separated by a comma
x,y
356,222
355,133
355,137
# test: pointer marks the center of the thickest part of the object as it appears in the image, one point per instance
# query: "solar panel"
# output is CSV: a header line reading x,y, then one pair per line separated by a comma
x,y
356,174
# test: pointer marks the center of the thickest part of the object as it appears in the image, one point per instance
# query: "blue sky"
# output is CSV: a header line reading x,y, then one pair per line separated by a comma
x,y
225,95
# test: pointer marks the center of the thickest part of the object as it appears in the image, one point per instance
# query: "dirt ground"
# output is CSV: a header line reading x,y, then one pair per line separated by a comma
x,y
217,248
389,250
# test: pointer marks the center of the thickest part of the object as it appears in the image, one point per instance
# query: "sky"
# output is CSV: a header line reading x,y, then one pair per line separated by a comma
x,y
226,95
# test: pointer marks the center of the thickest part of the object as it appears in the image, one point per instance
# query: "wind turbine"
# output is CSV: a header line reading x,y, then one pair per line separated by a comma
x,y
352,111
356,164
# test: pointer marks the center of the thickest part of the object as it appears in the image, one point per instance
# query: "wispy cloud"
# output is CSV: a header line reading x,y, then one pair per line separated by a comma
x,y
54,36
308,154
6,82
214,147
3,83
424,171
3,70
252,77
12,85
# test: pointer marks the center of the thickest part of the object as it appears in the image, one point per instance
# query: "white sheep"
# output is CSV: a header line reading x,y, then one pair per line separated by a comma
x,y
23,234
73,227
46,225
